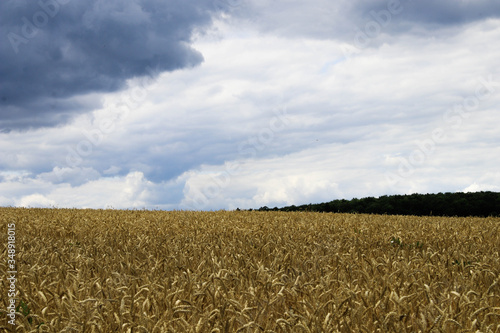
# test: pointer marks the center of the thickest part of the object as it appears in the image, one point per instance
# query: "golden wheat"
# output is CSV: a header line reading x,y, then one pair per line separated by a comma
x,y
152,271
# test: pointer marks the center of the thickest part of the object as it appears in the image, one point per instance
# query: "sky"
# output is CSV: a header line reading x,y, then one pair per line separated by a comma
x,y
225,104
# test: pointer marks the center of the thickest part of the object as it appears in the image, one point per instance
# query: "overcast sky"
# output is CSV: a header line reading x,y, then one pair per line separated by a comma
x,y
219,104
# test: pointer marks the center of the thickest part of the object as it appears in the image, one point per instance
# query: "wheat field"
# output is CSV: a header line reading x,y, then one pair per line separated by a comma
x,y
244,271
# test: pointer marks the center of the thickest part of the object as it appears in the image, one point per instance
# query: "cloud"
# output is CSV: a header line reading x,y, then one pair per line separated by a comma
x,y
347,122
344,20
448,12
74,176
35,200
132,190
475,187
54,53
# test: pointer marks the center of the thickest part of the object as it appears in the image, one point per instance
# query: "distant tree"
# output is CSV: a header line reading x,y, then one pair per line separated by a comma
x,y
440,204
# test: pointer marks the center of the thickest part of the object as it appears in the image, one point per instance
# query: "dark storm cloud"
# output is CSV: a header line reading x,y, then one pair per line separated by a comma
x,y
54,50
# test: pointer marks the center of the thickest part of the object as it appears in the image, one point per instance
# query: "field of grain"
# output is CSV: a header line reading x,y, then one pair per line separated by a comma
x,y
241,271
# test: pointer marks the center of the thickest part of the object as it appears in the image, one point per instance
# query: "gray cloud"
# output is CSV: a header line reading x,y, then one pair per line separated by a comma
x,y
449,12
55,50
343,19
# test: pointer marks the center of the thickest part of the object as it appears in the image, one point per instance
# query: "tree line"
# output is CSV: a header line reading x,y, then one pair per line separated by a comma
x,y
481,204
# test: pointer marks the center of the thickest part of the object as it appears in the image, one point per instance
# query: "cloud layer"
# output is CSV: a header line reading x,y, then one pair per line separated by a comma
x,y
281,111
56,52
344,19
